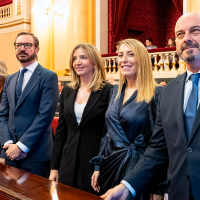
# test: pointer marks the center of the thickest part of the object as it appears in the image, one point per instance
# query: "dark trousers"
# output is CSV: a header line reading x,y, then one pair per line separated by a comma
x,y
38,168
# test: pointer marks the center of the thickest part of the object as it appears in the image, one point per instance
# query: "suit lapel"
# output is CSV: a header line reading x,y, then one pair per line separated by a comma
x,y
30,85
70,103
196,124
94,96
13,87
178,99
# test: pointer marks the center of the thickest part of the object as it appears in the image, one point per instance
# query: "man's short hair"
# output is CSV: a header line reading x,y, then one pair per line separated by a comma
x,y
163,81
150,39
61,83
117,43
36,41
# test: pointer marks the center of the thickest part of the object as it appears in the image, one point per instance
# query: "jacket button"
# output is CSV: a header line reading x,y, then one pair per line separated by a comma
x,y
189,150
187,177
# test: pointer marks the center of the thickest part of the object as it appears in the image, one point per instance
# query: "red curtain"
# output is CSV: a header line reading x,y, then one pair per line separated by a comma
x,y
5,2
179,5
119,11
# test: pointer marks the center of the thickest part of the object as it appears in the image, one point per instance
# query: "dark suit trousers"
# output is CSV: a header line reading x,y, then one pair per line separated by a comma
x,y
38,168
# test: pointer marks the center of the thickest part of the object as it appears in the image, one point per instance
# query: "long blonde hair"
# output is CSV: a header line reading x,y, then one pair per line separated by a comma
x,y
3,72
99,76
145,82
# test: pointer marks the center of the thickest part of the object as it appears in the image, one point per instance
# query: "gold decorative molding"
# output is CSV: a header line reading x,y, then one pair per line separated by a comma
x,y
15,23
68,72
13,194
19,11
63,72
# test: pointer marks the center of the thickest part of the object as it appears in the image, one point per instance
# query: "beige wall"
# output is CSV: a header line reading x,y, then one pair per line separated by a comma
x,y
102,26
58,35
7,51
9,28
77,26
193,6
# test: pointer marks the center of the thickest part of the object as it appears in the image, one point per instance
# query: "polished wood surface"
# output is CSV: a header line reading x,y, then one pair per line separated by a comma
x,y
16,184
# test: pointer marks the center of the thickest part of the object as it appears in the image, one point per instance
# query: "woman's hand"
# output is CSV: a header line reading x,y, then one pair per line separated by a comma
x,y
156,197
54,175
94,181
2,160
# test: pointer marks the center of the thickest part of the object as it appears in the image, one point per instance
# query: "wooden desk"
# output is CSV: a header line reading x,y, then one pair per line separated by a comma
x,y
16,184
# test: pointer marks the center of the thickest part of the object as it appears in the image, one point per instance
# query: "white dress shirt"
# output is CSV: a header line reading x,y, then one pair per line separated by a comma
x,y
27,76
152,47
187,91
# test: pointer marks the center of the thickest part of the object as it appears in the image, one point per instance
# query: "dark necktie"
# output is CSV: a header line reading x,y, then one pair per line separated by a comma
x,y
191,107
19,84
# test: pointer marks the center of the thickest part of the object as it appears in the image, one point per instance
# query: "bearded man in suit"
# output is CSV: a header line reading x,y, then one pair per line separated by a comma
x,y
27,110
176,134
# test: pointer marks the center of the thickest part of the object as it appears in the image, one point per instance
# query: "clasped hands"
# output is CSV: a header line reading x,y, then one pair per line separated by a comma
x,y
13,152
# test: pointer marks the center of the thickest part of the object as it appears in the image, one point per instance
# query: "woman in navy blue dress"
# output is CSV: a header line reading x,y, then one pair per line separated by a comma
x,y
129,120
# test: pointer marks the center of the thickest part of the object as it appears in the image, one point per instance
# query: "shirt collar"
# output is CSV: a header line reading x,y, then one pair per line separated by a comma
x,y
31,67
189,73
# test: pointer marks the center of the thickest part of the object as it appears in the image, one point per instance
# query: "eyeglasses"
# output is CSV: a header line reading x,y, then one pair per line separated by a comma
x,y
26,45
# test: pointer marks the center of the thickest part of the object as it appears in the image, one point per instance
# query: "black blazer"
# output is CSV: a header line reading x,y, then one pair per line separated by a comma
x,y
169,141
81,142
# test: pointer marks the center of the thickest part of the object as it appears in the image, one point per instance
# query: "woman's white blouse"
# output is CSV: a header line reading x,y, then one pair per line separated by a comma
x,y
78,110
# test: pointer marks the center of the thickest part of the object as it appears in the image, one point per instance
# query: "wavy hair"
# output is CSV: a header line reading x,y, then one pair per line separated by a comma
x,y
145,82
173,42
98,79
3,72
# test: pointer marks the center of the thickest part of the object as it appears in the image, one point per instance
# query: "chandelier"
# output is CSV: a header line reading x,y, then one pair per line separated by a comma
x,y
48,9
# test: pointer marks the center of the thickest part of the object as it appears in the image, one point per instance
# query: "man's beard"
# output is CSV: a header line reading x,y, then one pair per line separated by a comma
x,y
27,59
191,57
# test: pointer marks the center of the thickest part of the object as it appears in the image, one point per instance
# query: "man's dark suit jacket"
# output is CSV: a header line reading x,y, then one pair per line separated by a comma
x,y
169,141
29,121
79,143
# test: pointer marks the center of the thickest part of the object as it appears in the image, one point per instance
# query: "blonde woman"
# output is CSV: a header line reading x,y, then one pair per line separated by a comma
x,y
3,75
129,119
81,119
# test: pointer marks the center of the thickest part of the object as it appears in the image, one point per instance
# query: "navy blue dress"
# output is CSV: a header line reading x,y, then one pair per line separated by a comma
x,y
127,133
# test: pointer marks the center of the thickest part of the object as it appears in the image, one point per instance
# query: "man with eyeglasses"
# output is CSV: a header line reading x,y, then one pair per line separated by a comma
x,y
27,109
